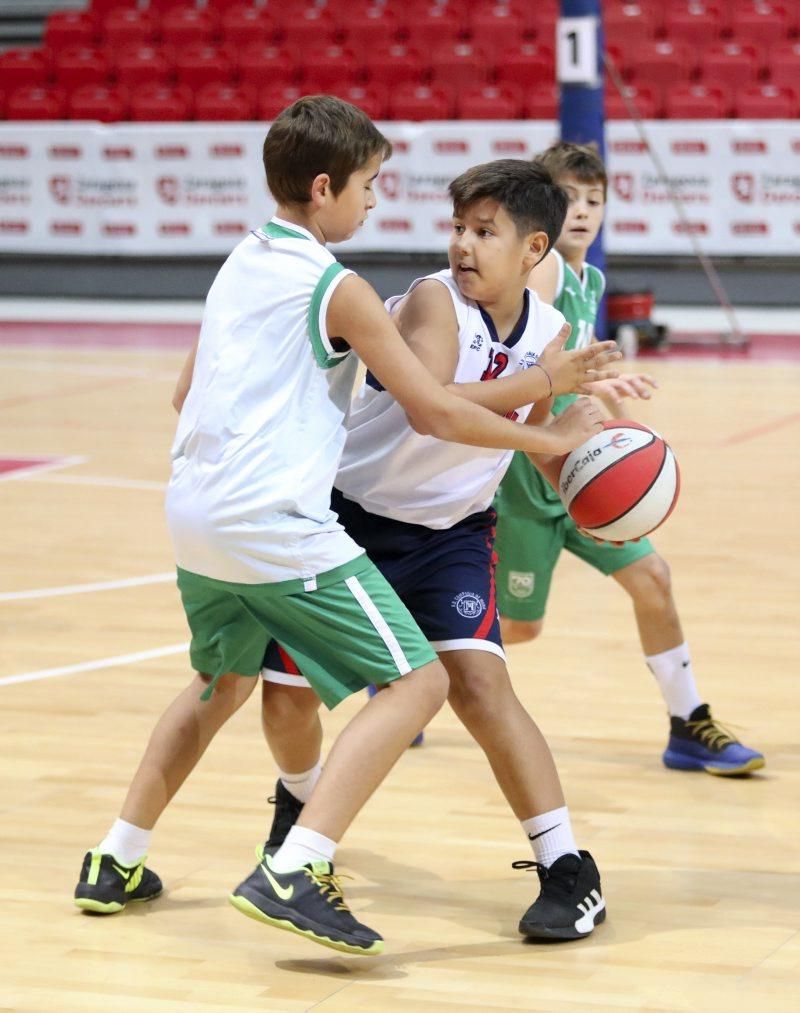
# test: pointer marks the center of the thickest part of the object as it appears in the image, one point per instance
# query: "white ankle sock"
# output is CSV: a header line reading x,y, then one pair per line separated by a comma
x,y
301,847
550,835
675,678
301,785
126,842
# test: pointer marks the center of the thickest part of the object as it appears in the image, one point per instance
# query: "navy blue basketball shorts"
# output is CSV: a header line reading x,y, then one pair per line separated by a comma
x,y
445,578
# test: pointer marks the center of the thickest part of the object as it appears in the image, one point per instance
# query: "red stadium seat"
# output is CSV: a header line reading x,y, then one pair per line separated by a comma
x,y
97,102
262,65
730,63
760,22
70,28
420,102
658,64
628,25
393,64
80,65
542,103
692,22
181,26
198,64
143,64
458,64
161,104
765,102
307,27
218,102
369,27
527,64
33,102
327,65
23,67
494,29
128,26
432,27
369,97
784,64
275,99
696,102
244,24
490,102
645,100
101,7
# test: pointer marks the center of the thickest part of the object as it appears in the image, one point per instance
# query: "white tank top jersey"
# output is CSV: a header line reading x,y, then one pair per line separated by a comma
x,y
261,432
390,470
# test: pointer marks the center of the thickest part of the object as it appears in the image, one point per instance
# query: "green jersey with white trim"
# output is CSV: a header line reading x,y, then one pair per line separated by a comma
x,y
262,430
523,492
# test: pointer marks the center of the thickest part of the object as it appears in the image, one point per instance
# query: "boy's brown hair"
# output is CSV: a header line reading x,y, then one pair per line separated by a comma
x,y
582,161
525,190
316,134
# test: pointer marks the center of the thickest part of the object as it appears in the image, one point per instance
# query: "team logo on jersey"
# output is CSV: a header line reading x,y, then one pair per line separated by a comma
x,y
477,343
469,605
528,359
520,584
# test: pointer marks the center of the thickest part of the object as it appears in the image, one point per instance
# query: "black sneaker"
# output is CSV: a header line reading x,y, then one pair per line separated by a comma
x,y
570,903
287,812
307,901
701,743
107,885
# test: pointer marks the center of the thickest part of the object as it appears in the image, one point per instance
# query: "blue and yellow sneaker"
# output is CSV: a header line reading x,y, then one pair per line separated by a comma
x,y
418,741
307,901
106,885
701,743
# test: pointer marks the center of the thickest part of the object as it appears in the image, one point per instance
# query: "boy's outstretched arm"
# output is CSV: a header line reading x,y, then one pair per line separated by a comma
x,y
427,321
356,314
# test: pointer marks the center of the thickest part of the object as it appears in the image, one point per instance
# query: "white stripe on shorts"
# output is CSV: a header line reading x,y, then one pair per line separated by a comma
x,y
468,644
285,678
380,624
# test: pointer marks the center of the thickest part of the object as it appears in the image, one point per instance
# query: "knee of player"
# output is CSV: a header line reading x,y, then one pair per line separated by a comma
x,y
657,580
430,684
519,631
286,706
474,690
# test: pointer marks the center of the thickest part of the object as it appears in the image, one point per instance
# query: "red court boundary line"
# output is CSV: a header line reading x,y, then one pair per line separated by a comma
x,y
762,430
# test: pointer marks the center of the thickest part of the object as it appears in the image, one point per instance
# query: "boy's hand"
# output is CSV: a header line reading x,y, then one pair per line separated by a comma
x,y
571,372
574,426
630,385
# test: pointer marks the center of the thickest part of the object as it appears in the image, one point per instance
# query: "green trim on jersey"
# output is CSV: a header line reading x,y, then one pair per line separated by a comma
x,y
323,352
274,231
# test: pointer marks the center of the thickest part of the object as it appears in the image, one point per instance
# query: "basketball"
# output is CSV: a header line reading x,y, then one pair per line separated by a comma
x,y
622,483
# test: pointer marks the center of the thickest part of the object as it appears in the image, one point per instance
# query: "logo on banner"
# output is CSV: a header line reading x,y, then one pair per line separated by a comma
x,y
743,185
15,190
629,226
451,146
629,147
689,148
395,225
14,151
64,151
390,184
60,189
749,228
509,147
623,185
749,147
168,189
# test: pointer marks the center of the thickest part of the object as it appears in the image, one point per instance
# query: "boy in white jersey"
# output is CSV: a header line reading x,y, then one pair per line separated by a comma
x,y
422,510
259,551
533,525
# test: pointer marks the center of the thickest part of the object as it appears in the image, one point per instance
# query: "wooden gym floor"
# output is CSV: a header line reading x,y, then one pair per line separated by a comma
x,y
701,875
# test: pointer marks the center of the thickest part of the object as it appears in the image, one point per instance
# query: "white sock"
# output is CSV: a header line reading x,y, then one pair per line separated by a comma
x,y
675,678
301,847
550,835
301,785
126,842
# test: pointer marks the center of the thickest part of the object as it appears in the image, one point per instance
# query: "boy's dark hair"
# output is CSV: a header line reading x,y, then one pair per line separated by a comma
x,y
582,161
525,191
316,134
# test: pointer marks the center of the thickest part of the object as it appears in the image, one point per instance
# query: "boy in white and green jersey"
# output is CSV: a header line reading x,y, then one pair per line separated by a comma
x,y
533,526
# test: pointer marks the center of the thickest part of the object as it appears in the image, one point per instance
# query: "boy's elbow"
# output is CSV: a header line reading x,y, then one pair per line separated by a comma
x,y
443,422
419,425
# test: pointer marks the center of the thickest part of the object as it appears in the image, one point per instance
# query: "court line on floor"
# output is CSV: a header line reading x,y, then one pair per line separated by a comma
x,y
92,666
43,467
105,585
763,430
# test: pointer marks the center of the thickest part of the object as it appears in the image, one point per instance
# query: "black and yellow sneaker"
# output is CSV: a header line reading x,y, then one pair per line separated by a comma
x,y
287,812
307,901
570,903
107,885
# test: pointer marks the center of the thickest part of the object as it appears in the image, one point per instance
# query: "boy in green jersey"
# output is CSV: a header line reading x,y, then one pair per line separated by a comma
x,y
533,526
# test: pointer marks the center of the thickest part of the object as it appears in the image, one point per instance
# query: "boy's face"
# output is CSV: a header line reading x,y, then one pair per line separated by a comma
x,y
343,214
584,217
486,252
